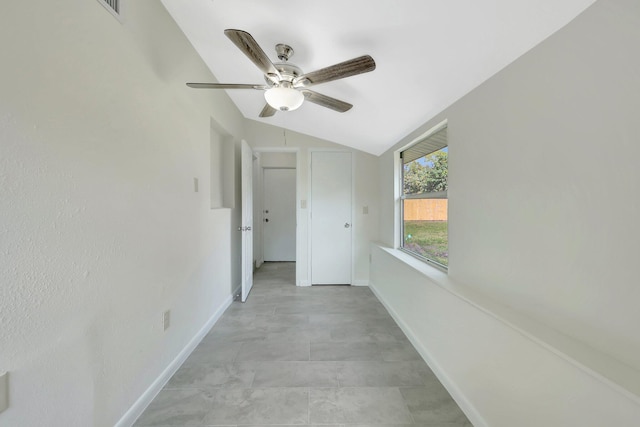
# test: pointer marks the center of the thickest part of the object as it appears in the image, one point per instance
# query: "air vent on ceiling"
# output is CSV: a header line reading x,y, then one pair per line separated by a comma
x,y
112,6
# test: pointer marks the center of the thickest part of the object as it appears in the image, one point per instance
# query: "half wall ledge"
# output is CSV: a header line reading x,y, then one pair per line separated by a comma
x,y
478,346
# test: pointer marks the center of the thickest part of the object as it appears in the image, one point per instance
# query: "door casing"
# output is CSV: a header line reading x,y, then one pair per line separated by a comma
x,y
301,280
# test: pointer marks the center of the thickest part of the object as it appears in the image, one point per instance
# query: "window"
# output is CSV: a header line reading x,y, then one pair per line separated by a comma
x,y
424,203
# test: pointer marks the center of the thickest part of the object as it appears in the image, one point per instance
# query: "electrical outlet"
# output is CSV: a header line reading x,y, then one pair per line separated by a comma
x,y
303,204
166,319
4,391
365,210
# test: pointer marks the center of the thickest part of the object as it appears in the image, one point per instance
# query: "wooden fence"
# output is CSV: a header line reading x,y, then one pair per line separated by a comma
x,y
425,210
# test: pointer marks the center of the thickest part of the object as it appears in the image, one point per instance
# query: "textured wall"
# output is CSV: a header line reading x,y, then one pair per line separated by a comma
x,y
100,227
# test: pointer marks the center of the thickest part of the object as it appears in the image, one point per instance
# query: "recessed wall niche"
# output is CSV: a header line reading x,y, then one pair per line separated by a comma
x,y
222,169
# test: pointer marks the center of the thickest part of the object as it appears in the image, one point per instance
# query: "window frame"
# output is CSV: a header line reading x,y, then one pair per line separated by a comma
x,y
401,197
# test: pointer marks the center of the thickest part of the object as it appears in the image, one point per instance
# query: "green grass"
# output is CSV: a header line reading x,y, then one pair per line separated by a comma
x,y
429,239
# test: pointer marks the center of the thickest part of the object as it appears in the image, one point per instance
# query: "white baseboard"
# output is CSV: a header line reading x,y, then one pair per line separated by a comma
x,y
360,283
304,283
451,387
143,401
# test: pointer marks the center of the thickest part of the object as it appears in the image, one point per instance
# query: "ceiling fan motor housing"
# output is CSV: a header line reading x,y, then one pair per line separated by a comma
x,y
288,72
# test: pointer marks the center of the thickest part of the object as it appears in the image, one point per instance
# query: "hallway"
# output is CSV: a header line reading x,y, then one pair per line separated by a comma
x,y
300,356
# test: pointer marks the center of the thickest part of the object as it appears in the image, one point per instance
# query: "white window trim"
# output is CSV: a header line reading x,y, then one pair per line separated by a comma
x,y
398,195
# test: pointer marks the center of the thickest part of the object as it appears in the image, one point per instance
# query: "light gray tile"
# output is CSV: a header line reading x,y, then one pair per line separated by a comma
x,y
318,308
407,425
250,308
221,336
276,322
259,405
357,405
210,375
300,425
237,320
383,374
208,352
340,351
433,404
273,350
341,319
365,335
176,407
299,333
400,351
266,360
354,330
294,374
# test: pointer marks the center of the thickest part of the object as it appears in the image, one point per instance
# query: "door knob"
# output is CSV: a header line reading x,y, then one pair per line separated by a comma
x,y
347,225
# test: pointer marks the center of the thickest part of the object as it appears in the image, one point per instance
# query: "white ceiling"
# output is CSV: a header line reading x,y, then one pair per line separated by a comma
x,y
428,53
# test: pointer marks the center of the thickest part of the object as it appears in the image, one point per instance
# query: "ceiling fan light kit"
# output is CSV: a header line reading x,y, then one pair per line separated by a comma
x,y
284,98
286,87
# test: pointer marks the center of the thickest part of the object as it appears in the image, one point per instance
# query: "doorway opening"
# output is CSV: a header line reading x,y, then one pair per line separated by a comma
x,y
275,212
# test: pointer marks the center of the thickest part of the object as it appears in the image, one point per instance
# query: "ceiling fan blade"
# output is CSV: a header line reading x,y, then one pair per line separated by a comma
x,y
362,64
247,44
267,111
326,101
226,86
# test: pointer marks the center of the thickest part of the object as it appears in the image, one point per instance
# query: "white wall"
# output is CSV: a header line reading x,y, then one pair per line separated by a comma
x,y
279,160
502,368
544,199
100,227
261,136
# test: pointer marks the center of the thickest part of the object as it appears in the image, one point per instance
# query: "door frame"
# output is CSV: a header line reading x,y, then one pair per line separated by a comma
x,y
246,222
300,281
310,207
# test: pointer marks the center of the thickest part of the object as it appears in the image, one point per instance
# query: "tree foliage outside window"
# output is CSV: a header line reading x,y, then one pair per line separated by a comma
x,y
427,174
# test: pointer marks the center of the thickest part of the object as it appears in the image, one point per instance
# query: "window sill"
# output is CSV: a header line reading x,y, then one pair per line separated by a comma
x,y
424,260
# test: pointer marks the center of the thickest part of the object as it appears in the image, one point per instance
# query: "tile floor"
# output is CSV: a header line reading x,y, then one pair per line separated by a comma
x,y
291,356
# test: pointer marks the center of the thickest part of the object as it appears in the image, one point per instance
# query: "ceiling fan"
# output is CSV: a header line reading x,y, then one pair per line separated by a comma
x,y
286,84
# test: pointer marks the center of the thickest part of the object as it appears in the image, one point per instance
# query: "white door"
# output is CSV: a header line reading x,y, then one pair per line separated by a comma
x,y
246,227
331,226
279,215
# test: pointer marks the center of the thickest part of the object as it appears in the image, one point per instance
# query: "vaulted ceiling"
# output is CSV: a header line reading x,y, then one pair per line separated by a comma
x,y
428,54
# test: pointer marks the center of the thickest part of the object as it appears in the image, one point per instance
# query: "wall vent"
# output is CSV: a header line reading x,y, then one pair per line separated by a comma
x,y
112,6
